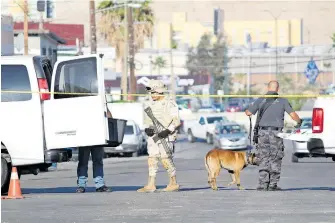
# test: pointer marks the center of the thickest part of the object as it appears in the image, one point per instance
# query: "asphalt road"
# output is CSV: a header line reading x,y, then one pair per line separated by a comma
x,y
308,194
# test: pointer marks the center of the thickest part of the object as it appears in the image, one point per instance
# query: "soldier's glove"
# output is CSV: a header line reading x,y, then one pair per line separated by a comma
x,y
163,134
298,124
149,131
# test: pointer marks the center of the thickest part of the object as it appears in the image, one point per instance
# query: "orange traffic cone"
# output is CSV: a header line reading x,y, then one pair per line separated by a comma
x,y
14,186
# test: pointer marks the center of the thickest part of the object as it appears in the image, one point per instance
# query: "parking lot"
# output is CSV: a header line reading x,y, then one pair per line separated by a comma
x,y
308,193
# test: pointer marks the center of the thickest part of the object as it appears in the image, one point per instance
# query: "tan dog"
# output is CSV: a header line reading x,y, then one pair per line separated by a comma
x,y
232,161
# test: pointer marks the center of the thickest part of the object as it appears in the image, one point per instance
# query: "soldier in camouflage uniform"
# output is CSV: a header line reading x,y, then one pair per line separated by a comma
x,y
270,148
165,110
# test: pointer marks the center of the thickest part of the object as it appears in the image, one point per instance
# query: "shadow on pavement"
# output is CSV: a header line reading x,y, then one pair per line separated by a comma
x,y
64,190
310,188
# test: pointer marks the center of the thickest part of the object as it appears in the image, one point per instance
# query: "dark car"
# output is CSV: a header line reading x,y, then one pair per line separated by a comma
x,y
234,107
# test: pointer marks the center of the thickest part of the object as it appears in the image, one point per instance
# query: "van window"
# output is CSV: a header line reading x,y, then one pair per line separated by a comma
x,y
77,76
15,78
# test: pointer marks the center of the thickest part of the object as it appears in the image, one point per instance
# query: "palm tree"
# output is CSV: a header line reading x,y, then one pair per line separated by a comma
x,y
111,28
159,63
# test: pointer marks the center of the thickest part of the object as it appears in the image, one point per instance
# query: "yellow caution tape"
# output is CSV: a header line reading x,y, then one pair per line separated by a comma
x,y
180,95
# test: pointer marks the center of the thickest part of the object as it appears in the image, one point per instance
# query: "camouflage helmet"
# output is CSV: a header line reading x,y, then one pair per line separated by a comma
x,y
156,86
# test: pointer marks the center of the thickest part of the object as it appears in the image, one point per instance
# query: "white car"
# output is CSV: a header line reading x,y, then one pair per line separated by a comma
x,y
134,142
299,149
203,127
321,140
230,136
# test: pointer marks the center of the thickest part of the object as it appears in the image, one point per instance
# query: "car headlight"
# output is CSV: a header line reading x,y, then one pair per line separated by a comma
x,y
243,139
224,140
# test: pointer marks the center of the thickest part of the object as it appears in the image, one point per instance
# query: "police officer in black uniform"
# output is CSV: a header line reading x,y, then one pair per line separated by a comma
x,y
270,148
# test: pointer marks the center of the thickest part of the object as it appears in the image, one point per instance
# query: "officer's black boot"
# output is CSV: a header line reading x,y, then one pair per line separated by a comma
x,y
274,188
262,188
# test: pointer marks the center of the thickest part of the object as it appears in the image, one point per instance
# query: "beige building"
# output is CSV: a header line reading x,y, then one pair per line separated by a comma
x,y
315,17
188,33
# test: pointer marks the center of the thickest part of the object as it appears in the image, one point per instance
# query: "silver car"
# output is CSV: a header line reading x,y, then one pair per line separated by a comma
x,y
134,142
230,136
299,149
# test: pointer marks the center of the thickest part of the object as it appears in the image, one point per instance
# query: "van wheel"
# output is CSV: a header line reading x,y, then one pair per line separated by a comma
x,y
190,136
5,175
333,158
209,138
294,158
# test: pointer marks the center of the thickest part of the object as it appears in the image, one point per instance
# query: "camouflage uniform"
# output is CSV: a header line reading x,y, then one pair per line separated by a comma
x,y
270,152
166,112
270,148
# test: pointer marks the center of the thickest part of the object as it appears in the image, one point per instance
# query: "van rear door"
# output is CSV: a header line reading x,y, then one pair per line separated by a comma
x,y
75,115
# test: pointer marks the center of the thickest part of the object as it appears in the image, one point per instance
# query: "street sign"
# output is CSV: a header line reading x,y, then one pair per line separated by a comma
x,y
311,71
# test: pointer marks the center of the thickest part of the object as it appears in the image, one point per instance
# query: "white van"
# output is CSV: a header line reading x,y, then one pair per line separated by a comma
x,y
321,141
37,127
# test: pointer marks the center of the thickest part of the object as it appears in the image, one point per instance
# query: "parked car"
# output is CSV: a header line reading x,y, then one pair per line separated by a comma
x,y
202,128
207,109
230,136
299,149
234,106
134,142
183,110
219,107
320,140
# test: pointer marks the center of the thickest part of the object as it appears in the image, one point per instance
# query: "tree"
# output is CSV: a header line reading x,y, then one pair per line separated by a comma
x,y
159,63
290,87
210,59
111,28
333,38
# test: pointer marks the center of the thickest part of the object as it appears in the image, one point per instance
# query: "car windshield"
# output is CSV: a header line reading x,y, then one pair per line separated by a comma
x,y
129,130
230,129
211,120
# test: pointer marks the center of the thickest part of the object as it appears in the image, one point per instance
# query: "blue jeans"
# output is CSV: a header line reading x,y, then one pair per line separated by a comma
x,y
98,171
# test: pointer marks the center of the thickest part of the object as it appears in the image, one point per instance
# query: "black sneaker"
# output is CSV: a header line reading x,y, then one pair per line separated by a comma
x,y
103,189
260,188
80,190
274,188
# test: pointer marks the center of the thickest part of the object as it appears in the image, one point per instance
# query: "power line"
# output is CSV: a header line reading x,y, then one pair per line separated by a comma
x,y
237,67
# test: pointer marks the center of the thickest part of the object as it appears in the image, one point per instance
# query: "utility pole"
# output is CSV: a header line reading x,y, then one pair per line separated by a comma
x,y
93,28
172,76
25,26
249,42
124,78
132,54
276,35
276,28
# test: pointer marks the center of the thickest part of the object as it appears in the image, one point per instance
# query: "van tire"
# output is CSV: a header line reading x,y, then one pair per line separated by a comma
x,y
190,136
5,175
333,158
